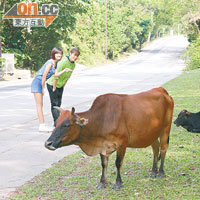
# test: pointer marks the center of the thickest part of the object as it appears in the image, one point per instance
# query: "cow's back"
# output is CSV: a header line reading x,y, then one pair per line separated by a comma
x,y
146,116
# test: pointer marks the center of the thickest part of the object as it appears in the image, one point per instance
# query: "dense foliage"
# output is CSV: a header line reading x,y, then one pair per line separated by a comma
x,y
191,28
33,47
130,24
81,23
192,55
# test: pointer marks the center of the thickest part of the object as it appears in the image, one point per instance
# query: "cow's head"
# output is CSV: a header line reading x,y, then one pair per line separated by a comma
x,y
182,119
67,129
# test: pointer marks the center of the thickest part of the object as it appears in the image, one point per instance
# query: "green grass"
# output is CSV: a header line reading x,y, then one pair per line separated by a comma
x,y
76,176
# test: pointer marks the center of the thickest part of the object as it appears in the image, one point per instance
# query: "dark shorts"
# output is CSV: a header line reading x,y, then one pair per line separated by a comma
x,y
36,86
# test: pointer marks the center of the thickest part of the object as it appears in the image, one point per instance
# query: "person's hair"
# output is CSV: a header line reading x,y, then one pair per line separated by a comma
x,y
75,50
56,50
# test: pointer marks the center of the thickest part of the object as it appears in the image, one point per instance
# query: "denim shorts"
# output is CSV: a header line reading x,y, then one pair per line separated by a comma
x,y
36,85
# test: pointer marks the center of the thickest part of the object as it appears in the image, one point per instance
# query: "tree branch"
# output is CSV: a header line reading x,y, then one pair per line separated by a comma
x,y
194,20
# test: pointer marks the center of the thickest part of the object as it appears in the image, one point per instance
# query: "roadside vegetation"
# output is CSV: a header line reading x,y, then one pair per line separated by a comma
x,y
130,24
76,176
192,54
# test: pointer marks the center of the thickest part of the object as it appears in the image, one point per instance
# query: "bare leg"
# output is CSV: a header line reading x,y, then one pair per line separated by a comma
x,y
104,163
39,107
155,147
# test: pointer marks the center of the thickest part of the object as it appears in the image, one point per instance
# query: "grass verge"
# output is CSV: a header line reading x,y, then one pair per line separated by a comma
x,y
76,176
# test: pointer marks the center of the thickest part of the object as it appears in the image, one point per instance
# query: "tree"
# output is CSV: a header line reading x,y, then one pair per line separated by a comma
x,y
32,49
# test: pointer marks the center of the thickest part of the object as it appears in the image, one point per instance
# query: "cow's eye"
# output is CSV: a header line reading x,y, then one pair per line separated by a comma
x,y
66,125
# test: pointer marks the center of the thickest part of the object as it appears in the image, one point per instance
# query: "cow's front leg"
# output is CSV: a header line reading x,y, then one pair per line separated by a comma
x,y
104,163
118,163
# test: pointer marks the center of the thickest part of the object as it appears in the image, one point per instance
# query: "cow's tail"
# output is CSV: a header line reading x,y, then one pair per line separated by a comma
x,y
159,157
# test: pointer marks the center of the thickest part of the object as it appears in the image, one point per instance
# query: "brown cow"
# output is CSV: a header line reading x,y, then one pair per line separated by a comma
x,y
115,122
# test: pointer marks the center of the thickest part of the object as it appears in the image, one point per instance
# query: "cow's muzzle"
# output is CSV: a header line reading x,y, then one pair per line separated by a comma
x,y
175,122
49,145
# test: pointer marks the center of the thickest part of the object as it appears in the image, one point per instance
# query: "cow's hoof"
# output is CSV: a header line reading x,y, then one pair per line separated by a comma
x,y
101,185
161,175
117,186
153,175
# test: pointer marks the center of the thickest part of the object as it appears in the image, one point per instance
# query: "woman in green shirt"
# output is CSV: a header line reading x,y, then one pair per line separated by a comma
x,y
55,85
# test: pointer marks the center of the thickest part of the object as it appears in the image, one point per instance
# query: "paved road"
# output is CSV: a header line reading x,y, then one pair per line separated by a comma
x,y
22,152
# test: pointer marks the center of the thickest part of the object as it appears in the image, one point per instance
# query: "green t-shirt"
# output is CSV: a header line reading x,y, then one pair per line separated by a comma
x,y
62,64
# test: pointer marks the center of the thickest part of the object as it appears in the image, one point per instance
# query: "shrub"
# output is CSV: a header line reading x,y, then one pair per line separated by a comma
x,y
192,55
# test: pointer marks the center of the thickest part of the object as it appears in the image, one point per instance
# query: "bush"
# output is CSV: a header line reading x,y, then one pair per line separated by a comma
x,y
1,62
192,55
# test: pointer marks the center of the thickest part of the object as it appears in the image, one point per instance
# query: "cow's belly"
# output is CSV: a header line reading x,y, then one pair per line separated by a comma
x,y
140,138
142,142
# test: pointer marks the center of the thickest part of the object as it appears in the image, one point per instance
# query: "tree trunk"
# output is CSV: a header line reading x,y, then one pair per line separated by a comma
x,y
3,4
194,21
149,37
0,48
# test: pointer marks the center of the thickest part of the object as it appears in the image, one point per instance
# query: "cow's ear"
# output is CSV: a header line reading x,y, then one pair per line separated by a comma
x,y
184,111
73,111
82,121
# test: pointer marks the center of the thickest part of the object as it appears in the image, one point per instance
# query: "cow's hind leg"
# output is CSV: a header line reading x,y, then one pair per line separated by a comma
x,y
164,142
104,163
155,147
119,160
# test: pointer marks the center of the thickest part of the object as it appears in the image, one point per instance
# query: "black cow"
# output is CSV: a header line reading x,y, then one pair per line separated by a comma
x,y
189,121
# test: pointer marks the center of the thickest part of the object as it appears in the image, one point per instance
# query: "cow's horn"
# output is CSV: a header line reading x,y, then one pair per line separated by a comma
x,y
73,111
58,108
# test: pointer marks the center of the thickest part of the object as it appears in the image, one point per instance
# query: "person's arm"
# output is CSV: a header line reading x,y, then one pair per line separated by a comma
x,y
61,72
54,84
46,71
68,77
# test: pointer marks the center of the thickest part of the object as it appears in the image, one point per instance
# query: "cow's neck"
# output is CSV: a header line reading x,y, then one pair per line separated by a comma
x,y
90,141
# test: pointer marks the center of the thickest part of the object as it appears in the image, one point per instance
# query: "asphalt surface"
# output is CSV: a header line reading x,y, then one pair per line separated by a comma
x,y
22,152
